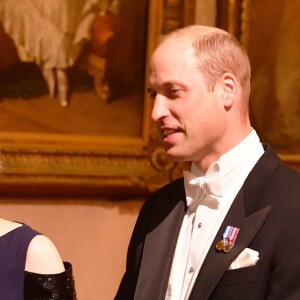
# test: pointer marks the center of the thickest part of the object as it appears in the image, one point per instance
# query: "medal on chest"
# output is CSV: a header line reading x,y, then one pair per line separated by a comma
x,y
228,240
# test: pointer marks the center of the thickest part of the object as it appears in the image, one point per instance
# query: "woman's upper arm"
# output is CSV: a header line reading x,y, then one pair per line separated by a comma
x,y
43,257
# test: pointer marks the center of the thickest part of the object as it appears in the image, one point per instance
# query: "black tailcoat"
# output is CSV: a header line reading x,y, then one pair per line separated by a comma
x,y
267,211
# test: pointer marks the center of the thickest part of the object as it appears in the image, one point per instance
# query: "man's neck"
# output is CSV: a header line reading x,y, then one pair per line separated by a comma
x,y
214,155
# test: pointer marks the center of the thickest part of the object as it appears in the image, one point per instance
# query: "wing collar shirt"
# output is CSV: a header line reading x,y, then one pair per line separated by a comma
x,y
209,197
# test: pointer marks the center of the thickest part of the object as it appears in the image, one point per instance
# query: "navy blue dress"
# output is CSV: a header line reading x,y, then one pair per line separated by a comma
x,y
13,250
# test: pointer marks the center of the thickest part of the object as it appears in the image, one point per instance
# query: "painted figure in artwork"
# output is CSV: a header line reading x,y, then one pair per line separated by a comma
x,y
52,34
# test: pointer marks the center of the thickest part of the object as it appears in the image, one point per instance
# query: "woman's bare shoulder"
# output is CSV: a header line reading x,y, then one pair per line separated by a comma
x,y
43,257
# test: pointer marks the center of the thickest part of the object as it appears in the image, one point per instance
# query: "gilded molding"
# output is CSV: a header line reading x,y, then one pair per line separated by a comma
x,y
233,6
173,15
159,160
245,23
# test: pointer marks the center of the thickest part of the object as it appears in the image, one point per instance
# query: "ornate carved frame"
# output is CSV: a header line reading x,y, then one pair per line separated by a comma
x,y
234,16
56,165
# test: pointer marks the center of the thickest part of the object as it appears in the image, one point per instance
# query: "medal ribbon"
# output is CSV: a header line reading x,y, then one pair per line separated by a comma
x,y
226,233
230,235
233,235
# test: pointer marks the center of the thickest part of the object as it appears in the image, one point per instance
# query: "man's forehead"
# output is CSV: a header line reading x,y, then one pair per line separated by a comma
x,y
170,75
181,43
167,60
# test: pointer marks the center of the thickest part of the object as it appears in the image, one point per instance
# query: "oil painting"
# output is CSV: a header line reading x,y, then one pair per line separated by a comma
x,y
72,66
74,114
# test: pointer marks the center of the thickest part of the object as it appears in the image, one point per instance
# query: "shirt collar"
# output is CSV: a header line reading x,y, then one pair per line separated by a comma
x,y
239,160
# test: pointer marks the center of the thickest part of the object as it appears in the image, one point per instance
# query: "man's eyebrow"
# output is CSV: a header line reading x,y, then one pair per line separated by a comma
x,y
166,85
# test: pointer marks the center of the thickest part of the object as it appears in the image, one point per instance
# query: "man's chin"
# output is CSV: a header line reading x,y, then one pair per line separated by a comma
x,y
176,156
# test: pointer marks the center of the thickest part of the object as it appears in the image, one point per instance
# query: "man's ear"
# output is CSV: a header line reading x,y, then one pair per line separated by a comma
x,y
229,89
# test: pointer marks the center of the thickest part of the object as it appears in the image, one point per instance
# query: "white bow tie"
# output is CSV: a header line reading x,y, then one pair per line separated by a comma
x,y
211,183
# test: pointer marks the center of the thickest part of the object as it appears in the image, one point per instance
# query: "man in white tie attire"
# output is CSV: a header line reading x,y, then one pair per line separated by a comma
x,y
229,228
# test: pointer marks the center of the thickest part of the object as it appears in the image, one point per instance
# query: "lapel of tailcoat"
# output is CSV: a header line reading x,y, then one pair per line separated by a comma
x,y
248,213
160,244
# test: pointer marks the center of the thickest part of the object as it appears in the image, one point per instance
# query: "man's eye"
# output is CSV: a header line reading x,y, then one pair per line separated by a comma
x,y
174,92
151,93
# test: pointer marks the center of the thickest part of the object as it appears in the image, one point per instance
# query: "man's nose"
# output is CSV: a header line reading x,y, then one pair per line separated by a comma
x,y
160,109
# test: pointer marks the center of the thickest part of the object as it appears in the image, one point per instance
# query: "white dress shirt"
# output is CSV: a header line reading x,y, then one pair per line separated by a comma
x,y
206,213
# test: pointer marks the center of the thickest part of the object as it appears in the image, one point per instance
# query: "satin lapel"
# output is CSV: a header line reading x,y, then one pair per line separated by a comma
x,y
158,254
216,263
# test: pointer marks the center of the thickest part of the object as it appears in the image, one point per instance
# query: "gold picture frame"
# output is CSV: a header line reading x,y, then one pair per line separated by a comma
x,y
38,164
244,19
